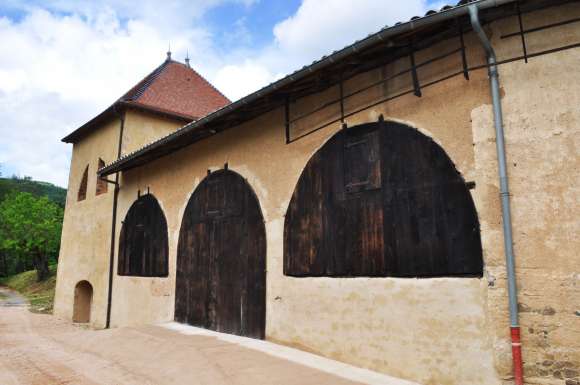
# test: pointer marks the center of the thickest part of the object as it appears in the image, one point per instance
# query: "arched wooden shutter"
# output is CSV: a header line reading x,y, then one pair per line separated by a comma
x,y
82,193
143,243
381,199
102,186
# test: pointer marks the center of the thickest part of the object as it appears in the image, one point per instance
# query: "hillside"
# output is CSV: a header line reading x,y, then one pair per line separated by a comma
x,y
54,193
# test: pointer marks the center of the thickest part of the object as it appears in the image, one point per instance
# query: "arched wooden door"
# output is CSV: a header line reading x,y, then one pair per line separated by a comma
x,y
221,258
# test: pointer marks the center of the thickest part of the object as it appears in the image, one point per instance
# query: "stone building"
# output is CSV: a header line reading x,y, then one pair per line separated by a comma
x,y
353,208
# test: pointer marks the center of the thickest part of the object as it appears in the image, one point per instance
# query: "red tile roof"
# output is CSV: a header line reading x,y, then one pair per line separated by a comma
x,y
173,90
175,87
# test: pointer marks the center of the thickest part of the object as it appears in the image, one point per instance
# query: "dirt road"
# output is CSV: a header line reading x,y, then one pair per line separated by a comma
x,y
38,349
10,298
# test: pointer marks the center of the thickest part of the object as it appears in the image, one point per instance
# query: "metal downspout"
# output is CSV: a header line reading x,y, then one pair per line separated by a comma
x,y
114,223
504,194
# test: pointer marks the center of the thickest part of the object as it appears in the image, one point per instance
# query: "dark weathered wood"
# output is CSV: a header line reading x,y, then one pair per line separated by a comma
x,y
221,258
143,244
82,193
381,202
102,185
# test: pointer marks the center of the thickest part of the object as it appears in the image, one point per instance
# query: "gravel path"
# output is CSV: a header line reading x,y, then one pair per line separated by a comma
x,y
9,297
38,349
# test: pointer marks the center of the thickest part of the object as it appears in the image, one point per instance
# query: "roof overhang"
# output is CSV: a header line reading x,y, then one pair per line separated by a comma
x,y
115,111
362,56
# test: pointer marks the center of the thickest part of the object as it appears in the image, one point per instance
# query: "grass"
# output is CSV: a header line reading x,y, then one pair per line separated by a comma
x,y
40,294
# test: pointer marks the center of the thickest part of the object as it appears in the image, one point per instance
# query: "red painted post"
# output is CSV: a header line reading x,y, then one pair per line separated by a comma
x,y
517,355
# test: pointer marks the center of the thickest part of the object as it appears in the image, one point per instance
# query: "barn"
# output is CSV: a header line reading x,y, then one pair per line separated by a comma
x,y
408,204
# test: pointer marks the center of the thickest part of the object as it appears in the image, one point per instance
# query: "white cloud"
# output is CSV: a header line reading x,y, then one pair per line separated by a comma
x,y
238,80
321,26
65,61
60,70
165,15
317,28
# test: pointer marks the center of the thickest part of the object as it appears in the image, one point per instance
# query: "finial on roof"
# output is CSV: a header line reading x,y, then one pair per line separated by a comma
x,y
169,52
187,59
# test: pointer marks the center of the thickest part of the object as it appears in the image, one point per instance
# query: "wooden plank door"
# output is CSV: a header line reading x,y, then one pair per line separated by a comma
x,y
221,259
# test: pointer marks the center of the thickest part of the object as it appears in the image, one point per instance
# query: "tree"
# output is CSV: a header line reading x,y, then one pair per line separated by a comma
x,y
30,228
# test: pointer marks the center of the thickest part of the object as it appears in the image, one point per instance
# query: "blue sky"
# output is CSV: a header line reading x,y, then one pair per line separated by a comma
x,y
64,61
258,21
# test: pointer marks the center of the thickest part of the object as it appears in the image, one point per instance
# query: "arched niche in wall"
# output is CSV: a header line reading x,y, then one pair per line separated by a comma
x,y
143,244
83,300
221,258
381,199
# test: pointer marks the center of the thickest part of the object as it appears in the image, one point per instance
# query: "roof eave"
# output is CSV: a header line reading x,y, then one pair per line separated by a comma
x,y
381,36
116,109
83,130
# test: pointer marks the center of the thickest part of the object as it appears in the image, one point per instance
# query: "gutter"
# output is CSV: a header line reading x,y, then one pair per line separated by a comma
x,y
382,36
504,194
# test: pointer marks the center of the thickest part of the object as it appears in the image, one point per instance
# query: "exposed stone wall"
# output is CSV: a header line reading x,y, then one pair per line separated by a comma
x,y
542,124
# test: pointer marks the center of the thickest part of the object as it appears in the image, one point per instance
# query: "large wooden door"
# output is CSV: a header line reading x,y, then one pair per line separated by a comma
x,y
221,258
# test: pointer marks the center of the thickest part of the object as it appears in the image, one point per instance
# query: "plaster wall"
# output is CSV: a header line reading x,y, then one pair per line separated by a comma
x,y
434,331
86,231
86,234
143,128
